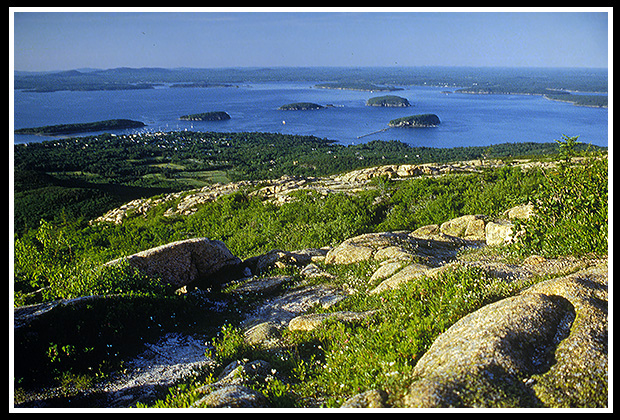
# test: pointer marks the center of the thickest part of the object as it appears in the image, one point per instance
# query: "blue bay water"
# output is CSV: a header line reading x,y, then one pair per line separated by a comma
x,y
466,120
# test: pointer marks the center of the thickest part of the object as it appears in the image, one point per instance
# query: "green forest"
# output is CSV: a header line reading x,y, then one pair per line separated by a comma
x,y
206,116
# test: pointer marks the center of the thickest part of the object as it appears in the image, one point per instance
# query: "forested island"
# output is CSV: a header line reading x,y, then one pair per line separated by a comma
x,y
420,120
206,116
388,101
60,129
201,84
362,86
300,106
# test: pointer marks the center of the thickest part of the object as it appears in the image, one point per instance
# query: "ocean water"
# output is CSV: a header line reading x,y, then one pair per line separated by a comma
x,y
466,120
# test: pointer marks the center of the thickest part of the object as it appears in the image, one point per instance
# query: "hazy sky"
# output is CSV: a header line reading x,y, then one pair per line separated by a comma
x,y
53,40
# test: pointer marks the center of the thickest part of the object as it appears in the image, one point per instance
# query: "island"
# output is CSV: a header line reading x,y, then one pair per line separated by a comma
x,y
388,101
206,116
363,86
61,129
202,85
300,106
420,120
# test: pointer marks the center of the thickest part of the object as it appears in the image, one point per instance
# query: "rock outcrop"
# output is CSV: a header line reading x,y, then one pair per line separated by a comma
x,y
547,345
278,190
181,263
431,248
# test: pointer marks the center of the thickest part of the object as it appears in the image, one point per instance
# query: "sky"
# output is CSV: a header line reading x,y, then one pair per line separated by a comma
x,y
49,39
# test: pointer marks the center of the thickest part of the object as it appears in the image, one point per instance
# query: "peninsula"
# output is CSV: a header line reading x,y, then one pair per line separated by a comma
x,y
300,106
420,120
206,116
388,101
51,130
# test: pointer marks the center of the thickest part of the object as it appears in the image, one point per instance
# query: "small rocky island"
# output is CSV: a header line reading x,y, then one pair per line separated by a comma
x,y
420,120
388,101
206,116
300,106
61,129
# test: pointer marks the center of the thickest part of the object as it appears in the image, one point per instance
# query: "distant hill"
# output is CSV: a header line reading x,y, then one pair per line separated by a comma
x,y
470,79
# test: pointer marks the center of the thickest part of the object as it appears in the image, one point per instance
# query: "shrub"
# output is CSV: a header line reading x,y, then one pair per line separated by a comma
x,y
571,207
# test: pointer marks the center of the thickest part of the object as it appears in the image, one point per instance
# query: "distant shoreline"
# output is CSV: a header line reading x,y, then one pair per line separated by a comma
x,y
571,99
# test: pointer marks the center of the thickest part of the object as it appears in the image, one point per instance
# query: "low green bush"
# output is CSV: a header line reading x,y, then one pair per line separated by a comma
x,y
571,207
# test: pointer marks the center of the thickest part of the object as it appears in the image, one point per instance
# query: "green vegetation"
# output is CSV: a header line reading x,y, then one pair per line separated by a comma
x,y
339,360
572,203
61,255
118,124
50,254
574,198
300,106
87,176
388,100
420,120
206,116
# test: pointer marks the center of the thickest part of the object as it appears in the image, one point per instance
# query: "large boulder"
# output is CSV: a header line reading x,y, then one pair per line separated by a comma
x,y
522,211
233,396
499,232
544,347
430,246
185,262
278,258
469,227
375,398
